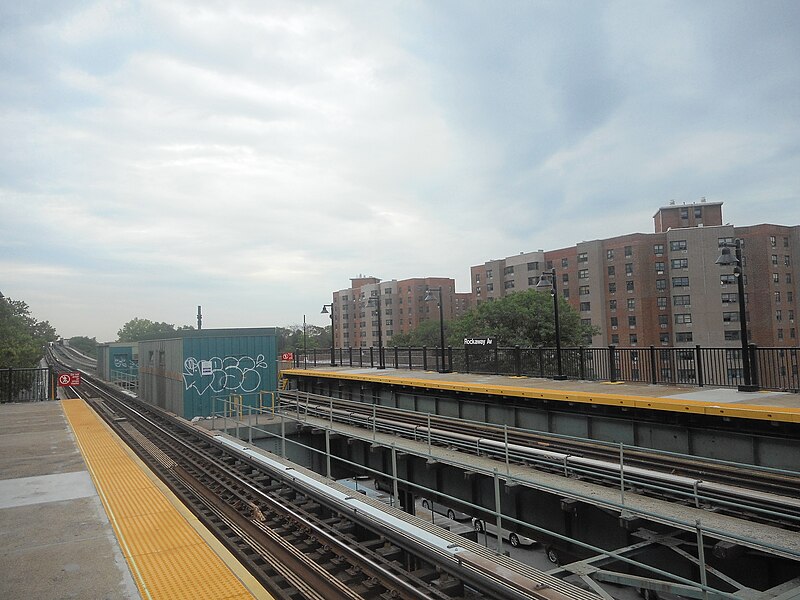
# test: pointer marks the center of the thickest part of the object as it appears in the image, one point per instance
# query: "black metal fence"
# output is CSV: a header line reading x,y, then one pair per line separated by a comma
x,y
26,385
772,368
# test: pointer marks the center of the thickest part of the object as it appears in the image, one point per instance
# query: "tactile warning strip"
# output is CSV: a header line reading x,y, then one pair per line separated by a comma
x,y
168,555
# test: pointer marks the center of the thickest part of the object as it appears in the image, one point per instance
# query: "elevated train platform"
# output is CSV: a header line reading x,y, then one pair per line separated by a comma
x,y
82,517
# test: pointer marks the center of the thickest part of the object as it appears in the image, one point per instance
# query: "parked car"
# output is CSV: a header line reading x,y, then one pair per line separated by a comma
x,y
450,513
360,484
512,537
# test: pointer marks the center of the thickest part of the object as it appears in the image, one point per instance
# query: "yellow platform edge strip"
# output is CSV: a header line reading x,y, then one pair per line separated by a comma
x,y
171,554
739,411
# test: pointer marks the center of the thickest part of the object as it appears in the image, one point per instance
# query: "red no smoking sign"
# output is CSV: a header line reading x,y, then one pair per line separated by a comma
x,y
69,379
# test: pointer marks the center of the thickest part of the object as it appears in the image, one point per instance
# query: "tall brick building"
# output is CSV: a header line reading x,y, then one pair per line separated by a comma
x,y
402,308
664,288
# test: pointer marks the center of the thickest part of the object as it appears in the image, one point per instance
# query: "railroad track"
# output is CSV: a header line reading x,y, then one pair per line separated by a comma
x,y
767,495
298,542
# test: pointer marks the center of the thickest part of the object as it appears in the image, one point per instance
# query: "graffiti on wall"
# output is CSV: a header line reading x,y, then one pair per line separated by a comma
x,y
120,361
232,374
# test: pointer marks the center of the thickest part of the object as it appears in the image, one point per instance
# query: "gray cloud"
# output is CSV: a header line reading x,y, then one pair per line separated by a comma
x,y
252,157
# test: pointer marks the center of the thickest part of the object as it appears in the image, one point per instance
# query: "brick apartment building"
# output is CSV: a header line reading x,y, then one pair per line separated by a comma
x,y
400,303
664,288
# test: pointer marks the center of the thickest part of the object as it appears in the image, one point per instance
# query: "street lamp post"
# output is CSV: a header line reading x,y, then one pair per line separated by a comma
x,y
544,285
725,259
428,296
368,302
324,311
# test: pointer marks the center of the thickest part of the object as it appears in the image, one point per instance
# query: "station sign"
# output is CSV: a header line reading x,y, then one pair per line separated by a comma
x,y
287,356
69,379
486,342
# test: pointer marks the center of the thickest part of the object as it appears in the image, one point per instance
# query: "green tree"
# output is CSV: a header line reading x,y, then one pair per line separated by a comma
x,y
290,338
522,318
87,346
427,334
137,330
22,337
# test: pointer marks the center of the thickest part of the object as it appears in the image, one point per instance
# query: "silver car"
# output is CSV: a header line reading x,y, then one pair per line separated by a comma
x,y
513,538
450,513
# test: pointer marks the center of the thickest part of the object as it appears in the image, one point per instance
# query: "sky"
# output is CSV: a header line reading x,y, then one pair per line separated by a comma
x,y
253,156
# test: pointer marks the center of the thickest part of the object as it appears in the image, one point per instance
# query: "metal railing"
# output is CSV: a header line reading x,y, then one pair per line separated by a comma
x,y
772,368
26,385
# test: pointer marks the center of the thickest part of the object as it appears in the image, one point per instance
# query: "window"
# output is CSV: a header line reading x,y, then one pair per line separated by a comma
x,y
698,212
612,288
586,306
488,273
564,263
732,335
789,296
583,290
610,254
664,339
533,266
663,320
615,338
774,258
489,288
730,317
729,298
509,285
628,268
661,284
631,321
786,242
612,305
777,297
565,278
629,285
778,315
727,279
583,274
788,278
658,249
583,257
532,281
786,260
791,315
677,245
683,336
780,334
508,270
661,301
628,250
565,293
614,322
477,279
587,322
684,213
660,268
631,304
679,263
776,278
683,318
633,339
387,311
683,300
611,271
721,242
680,282
772,241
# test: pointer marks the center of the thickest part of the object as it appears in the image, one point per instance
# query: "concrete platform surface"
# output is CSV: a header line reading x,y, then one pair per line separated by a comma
x,y
55,538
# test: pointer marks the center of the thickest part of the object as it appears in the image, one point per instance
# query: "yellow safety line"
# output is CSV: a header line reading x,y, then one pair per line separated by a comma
x,y
170,553
745,411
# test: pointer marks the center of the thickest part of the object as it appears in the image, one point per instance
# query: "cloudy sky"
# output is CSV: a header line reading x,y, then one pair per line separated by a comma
x,y
252,157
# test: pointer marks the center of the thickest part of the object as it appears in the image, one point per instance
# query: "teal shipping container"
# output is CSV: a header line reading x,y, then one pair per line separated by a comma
x,y
195,375
118,361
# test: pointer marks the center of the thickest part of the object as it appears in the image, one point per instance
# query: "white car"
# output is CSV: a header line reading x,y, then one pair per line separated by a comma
x,y
359,484
450,513
513,538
